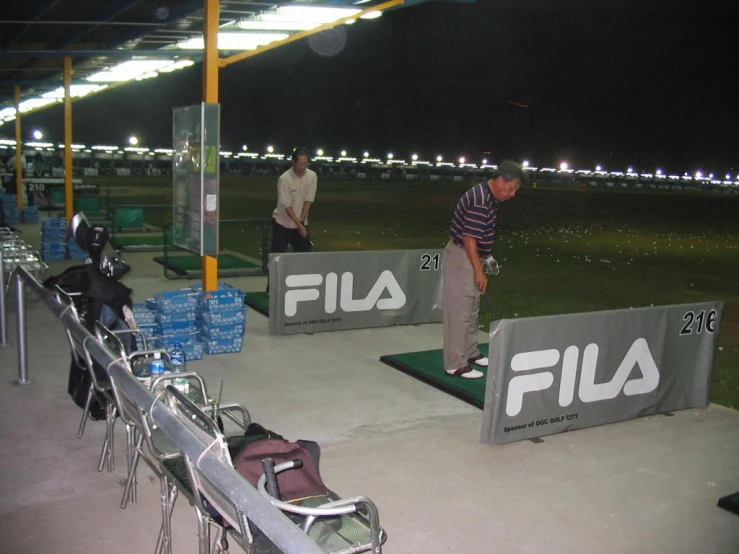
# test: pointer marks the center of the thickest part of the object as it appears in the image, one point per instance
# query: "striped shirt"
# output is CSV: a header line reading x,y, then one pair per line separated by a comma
x,y
475,216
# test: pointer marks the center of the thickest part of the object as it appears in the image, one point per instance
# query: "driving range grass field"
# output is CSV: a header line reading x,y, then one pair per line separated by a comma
x,y
561,250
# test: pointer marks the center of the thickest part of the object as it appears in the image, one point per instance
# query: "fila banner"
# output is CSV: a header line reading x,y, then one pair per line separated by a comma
x,y
329,291
559,373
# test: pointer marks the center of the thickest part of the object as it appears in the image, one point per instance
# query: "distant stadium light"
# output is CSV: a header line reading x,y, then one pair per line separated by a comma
x,y
699,175
365,154
563,166
343,153
461,159
485,162
630,170
270,149
439,158
38,135
598,168
319,152
244,147
133,141
414,157
728,176
659,172
524,164
390,156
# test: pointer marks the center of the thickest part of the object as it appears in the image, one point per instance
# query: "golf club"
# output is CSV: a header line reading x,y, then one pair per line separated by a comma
x,y
310,240
490,304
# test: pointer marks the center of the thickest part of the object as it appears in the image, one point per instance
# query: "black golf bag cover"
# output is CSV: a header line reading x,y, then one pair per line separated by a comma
x,y
96,297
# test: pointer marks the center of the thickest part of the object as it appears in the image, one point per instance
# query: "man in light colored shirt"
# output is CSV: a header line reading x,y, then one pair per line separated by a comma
x,y
296,192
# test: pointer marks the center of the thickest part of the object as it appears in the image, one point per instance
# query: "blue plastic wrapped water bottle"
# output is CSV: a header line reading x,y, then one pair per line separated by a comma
x,y
177,358
156,366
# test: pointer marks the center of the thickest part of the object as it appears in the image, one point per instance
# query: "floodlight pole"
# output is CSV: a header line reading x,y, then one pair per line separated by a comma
x,y
210,94
68,162
19,169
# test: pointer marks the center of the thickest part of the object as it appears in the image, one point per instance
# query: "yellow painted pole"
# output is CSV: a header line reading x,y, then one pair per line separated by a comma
x,y
302,34
19,169
68,162
210,94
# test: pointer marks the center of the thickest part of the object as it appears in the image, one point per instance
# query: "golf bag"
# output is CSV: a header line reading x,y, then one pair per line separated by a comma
x,y
97,295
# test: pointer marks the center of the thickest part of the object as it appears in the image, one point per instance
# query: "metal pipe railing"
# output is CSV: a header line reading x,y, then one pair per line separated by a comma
x,y
271,521
20,295
3,327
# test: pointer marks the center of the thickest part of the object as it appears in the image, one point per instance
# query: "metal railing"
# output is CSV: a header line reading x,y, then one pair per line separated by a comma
x,y
270,520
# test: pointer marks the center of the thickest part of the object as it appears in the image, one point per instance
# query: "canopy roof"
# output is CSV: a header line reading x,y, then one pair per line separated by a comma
x,y
116,41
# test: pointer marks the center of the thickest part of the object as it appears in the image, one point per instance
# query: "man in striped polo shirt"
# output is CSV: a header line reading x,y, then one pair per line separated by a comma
x,y
472,234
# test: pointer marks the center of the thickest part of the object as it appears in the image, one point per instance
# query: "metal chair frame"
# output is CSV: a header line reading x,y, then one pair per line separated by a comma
x,y
360,508
200,488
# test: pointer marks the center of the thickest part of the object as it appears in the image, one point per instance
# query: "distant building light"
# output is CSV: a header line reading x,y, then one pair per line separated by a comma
x,y
414,157
439,158
524,164
564,166
319,152
270,148
133,140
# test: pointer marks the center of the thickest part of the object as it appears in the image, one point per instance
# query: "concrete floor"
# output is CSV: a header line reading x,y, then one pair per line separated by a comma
x,y
644,486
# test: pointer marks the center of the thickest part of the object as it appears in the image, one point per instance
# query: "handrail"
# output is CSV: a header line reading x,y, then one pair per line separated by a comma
x,y
271,521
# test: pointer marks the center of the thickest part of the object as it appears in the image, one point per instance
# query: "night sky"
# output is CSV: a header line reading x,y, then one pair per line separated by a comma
x,y
639,83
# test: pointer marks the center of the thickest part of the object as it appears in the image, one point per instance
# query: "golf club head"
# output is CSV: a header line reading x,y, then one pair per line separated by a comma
x,y
491,266
79,229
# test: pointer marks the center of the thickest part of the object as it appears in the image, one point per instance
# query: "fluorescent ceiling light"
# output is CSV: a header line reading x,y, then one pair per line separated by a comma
x,y
34,103
179,64
234,41
75,91
299,18
258,24
312,13
128,70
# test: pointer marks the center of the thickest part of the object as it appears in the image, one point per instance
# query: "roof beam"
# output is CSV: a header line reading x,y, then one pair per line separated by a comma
x,y
43,12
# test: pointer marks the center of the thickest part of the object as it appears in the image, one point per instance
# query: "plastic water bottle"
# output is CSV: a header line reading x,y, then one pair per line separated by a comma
x,y
156,366
177,358
178,362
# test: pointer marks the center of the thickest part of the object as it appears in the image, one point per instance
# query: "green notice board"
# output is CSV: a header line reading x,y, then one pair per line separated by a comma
x,y
195,174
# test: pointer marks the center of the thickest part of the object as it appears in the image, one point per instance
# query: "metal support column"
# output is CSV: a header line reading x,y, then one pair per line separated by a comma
x,y
19,167
68,161
210,94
